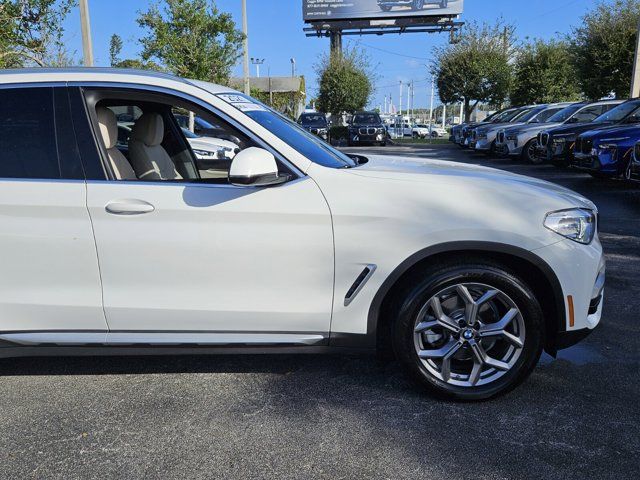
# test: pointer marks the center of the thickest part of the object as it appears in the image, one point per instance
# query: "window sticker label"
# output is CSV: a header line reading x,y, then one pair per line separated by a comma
x,y
242,103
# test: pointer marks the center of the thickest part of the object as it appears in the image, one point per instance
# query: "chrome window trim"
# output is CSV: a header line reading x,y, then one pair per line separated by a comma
x,y
201,103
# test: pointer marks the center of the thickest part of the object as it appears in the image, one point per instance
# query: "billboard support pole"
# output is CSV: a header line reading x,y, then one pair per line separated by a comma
x,y
336,42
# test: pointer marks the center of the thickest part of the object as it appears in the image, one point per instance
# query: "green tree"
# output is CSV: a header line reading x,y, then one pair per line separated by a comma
x,y
603,48
115,48
31,32
544,73
477,67
191,38
345,82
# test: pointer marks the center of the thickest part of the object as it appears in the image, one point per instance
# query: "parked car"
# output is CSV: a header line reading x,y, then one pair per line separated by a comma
x,y
606,152
483,138
461,134
300,248
315,123
556,145
387,5
632,173
367,128
523,140
422,130
504,138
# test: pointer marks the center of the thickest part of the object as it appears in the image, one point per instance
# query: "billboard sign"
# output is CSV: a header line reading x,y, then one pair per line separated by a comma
x,y
328,10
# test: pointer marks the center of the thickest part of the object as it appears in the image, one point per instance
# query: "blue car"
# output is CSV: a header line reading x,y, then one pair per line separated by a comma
x,y
606,152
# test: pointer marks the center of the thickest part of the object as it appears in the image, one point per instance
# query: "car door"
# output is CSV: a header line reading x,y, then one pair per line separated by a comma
x,y
49,282
196,258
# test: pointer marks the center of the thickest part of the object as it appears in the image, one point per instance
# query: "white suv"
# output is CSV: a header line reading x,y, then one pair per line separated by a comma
x,y
465,273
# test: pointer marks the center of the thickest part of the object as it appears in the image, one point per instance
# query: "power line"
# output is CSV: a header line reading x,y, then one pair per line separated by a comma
x,y
393,53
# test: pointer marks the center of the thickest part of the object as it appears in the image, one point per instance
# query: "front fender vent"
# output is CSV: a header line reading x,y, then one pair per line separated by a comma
x,y
364,276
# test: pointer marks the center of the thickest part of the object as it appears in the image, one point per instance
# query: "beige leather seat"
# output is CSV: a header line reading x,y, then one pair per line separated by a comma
x,y
109,131
149,159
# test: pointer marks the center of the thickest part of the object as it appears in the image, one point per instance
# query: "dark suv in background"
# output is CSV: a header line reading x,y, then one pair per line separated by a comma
x,y
367,128
315,123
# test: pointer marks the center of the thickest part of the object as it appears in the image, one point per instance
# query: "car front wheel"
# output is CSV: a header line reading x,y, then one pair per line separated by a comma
x,y
468,330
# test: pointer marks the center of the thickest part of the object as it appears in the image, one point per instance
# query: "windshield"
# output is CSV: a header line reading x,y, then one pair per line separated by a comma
x,y
504,116
544,115
618,113
565,113
366,119
313,120
519,115
289,132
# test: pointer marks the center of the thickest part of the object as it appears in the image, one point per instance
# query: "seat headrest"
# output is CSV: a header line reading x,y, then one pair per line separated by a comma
x,y
108,126
149,129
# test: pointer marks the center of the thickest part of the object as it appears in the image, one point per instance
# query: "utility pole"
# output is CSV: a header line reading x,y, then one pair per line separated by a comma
x,y
245,46
400,100
444,115
385,104
293,67
635,79
409,87
87,47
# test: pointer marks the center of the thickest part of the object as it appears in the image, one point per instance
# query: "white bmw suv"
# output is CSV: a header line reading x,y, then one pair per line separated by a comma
x,y
465,273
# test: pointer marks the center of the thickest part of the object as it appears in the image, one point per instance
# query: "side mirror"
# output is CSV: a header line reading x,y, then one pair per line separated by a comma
x,y
255,167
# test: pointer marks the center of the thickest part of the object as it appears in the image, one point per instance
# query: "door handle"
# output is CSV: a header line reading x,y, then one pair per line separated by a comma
x,y
129,207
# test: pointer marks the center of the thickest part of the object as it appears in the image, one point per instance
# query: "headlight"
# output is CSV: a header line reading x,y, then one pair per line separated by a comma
x,y
568,137
576,224
607,146
205,153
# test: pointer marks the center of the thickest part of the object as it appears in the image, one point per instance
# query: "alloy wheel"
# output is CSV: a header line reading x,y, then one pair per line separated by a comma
x,y
469,334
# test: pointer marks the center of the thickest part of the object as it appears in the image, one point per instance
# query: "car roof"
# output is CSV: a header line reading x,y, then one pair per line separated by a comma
x,y
102,74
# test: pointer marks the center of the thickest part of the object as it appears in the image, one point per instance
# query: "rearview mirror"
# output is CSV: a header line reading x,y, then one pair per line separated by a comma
x,y
255,167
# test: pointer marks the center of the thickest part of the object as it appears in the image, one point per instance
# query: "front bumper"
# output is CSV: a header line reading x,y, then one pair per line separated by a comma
x,y
483,144
580,270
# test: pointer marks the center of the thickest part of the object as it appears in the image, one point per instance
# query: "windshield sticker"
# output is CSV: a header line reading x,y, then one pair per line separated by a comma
x,y
242,103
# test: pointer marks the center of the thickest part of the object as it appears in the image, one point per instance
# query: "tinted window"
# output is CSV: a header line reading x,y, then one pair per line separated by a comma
x,y
367,119
313,120
618,113
565,113
27,134
587,114
545,115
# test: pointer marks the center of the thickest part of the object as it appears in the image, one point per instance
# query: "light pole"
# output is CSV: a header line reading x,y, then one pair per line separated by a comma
x,y
85,23
257,62
245,46
433,86
293,67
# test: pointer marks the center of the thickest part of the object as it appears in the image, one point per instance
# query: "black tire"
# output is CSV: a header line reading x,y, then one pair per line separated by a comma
x,y
529,154
492,150
418,290
434,134
415,135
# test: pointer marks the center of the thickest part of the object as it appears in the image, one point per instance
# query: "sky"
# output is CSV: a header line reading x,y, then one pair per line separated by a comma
x,y
275,34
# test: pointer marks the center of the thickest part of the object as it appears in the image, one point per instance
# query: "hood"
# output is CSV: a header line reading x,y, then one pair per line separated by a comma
x,y
533,127
578,128
208,143
628,132
459,175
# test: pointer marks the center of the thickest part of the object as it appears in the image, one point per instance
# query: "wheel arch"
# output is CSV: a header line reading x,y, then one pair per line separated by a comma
x,y
538,273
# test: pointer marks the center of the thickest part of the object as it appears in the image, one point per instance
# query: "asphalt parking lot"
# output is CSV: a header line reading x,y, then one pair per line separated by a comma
x,y
292,417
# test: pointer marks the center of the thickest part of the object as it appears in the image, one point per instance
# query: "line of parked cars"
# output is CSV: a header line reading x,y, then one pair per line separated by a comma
x,y
601,138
